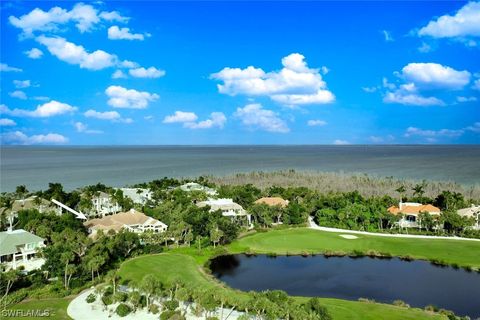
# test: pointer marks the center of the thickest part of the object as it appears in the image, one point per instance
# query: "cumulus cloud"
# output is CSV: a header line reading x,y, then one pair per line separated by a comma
x,y
434,75
151,72
369,89
119,74
420,78
316,123
18,137
18,94
83,128
294,84
476,85
20,84
339,142
474,128
6,68
216,120
76,54
464,24
4,122
116,33
34,53
49,109
466,99
120,97
84,16
254,117
107,115
413,131
181,117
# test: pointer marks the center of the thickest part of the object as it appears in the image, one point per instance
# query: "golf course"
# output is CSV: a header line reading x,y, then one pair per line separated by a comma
x,y
186,264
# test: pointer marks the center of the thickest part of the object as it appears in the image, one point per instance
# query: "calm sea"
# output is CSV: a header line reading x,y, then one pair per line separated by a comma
x,y
124,165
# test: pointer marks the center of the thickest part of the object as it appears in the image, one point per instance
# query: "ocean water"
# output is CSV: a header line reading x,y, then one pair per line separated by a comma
x,y
77,166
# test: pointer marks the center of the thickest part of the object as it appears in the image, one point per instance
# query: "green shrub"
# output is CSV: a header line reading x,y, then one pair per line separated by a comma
x,y
123,310
171,315
120,297
153,308
401,303
107,299
91,298
171,305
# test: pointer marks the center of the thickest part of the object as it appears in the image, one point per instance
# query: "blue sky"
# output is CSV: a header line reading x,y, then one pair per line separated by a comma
x,y
240,73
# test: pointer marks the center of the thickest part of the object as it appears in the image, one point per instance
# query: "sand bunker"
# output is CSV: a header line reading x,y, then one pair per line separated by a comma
x,y
348,236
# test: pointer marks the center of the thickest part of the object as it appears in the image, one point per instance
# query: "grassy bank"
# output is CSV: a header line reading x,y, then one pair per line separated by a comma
x,y
56,308
186,264
301,240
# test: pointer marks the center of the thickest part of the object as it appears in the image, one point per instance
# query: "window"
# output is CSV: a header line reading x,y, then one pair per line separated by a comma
x,y
410,218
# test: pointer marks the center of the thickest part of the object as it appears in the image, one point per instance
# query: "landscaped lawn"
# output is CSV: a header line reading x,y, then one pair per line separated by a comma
x,y
296,241
184,264
57,308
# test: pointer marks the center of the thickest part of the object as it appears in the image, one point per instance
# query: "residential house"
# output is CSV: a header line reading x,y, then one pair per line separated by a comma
x,y
410,212
19,248
103,204
273,201
131,220
33,202
471,212
227,207
193,186
138,195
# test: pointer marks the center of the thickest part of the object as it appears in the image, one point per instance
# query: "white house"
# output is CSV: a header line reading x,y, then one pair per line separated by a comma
x,y
227,207
138,195
193,186
33,202
20,248
103,204
410,212
131,220
472,212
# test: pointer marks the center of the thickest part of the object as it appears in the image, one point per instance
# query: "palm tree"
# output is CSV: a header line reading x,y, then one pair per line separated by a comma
x,y
401,190
10,277
65,258
151,286
113,277
418,189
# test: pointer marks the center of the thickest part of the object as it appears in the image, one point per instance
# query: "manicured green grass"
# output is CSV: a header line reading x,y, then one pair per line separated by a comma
x,y
185,264
296,241
56,307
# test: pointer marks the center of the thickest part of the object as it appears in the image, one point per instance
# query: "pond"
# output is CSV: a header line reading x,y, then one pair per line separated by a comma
x,y
418,283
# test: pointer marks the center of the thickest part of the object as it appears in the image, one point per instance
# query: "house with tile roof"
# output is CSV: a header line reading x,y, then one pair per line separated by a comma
x,y
19,248
410,211
273,201
132,220
228,208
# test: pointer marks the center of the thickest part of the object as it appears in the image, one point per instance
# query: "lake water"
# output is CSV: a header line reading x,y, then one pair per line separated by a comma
x,y
123,165
418,283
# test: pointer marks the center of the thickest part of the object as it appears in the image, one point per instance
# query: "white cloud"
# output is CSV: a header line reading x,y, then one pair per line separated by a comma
x,y
107,115
217,120
6,68
75,54
83,128
314,123
41,98
339,142
34,53
84,16
474,128
118,74
151,72
18,137
181,117
434,75
378,139
120,97
412,99
116,33
4,122
466,99
387,35
465,23
128,64
425,48
294,84
476,85
49,109
369,89
18,94
255,117
413,131
19,84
